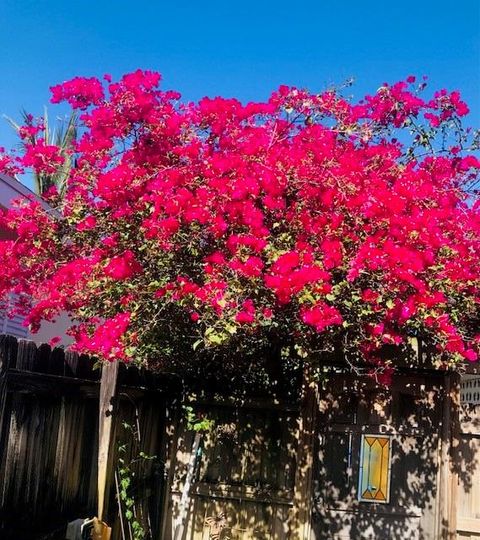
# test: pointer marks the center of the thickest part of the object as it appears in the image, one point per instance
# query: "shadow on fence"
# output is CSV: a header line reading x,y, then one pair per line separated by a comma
x,y
267,470
49,439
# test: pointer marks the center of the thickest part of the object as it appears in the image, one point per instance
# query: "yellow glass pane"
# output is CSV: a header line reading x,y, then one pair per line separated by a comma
x,y
374,476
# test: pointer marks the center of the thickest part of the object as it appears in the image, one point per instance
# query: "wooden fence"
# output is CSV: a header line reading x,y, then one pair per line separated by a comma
x,y
267,470
49,440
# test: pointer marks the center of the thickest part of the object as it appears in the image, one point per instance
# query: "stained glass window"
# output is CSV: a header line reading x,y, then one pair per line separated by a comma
x,y
374,475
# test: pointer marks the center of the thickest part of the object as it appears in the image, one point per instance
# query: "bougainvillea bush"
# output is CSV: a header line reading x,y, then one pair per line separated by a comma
x,y
300,225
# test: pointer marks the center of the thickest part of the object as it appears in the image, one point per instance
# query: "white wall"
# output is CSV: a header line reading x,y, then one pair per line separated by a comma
x,y
10,189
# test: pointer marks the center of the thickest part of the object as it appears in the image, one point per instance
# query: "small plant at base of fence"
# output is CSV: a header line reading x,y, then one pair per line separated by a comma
x,y
126,474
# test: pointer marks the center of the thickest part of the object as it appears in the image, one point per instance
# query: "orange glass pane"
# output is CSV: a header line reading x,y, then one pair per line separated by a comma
x,y
374,474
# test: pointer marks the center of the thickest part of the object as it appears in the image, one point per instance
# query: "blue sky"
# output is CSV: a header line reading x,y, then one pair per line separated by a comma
x,y
242,49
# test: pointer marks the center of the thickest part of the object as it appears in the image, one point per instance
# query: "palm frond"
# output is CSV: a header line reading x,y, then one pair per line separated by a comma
x,y
63,136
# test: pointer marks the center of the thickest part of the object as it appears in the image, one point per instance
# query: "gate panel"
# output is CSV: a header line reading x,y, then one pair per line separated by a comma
x,y
244,479
407,416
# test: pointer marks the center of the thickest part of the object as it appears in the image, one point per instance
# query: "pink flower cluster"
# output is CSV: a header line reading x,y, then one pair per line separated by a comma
x,y
107,338
123,266
80,92
323,219
43,158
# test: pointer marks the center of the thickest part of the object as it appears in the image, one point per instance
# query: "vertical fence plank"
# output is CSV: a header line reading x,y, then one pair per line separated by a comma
x,y
8,355
302,498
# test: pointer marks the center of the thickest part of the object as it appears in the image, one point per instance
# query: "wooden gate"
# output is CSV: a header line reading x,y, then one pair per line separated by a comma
x,y
404,428
244,480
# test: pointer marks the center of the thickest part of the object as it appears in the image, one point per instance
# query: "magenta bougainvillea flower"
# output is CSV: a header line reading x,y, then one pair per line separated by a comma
x,y
307,221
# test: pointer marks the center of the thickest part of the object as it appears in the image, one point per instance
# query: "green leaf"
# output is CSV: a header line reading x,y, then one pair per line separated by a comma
x,y
197,344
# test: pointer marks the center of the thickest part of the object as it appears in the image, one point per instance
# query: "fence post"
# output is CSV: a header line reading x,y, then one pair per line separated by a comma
x,y
172,436
302,495
108,387
448,482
